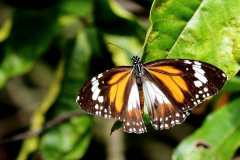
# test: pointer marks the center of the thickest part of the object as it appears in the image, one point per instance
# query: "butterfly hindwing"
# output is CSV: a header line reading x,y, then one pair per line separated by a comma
x,y
162,112
114,94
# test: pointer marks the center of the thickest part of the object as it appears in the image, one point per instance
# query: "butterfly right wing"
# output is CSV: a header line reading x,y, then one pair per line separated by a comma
x,y
173,87
114,94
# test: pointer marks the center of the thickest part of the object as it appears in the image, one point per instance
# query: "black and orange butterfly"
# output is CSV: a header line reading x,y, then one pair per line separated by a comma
x,y
166,90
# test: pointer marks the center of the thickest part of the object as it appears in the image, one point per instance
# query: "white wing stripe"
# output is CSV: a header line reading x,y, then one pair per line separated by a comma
x,y
153,93
133,100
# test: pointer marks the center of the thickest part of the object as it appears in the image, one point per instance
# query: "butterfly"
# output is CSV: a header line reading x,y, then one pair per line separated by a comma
x,y
166,90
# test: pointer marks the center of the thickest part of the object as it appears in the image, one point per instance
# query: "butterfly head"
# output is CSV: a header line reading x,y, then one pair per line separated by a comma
x,y
137,66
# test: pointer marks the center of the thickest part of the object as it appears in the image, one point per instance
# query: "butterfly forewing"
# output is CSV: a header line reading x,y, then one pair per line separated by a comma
x,y
114,94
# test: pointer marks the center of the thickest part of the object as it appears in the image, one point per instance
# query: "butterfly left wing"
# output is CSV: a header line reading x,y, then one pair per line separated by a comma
x,y
114,94
172,87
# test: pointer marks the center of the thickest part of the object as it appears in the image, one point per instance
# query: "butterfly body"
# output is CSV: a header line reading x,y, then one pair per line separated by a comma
x,y
165,90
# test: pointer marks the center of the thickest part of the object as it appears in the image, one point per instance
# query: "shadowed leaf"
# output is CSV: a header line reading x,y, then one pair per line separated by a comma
x,y
216,139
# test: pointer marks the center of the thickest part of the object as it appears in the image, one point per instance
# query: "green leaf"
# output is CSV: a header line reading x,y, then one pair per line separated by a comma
x,y
30,36
117,125
83,8
232,85
75,73
30,145
218,138
6,22
205,30
75,135
67,141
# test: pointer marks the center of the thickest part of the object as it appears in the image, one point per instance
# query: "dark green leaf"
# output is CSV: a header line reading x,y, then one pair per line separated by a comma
x,y
232,85
111,23
117,125
82,8
218,138
74,135
67,141
31,33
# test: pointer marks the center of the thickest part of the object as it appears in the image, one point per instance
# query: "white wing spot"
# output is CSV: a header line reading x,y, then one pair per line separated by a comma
x,y
198,83
197,96
200,77
93,79
197,63
100,99
205,89
166,125
95,94
187,62
96,106
78,98
100,75
198,69
94,87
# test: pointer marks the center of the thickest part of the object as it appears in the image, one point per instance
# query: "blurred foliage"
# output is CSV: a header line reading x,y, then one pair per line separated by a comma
x,y
80,38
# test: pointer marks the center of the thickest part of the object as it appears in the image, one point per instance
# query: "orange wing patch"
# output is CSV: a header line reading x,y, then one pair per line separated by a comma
x,y
181,82
117,90
172,84
168,69
117,77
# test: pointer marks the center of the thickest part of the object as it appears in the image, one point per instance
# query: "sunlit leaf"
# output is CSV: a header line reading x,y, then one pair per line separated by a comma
x,y
203,30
